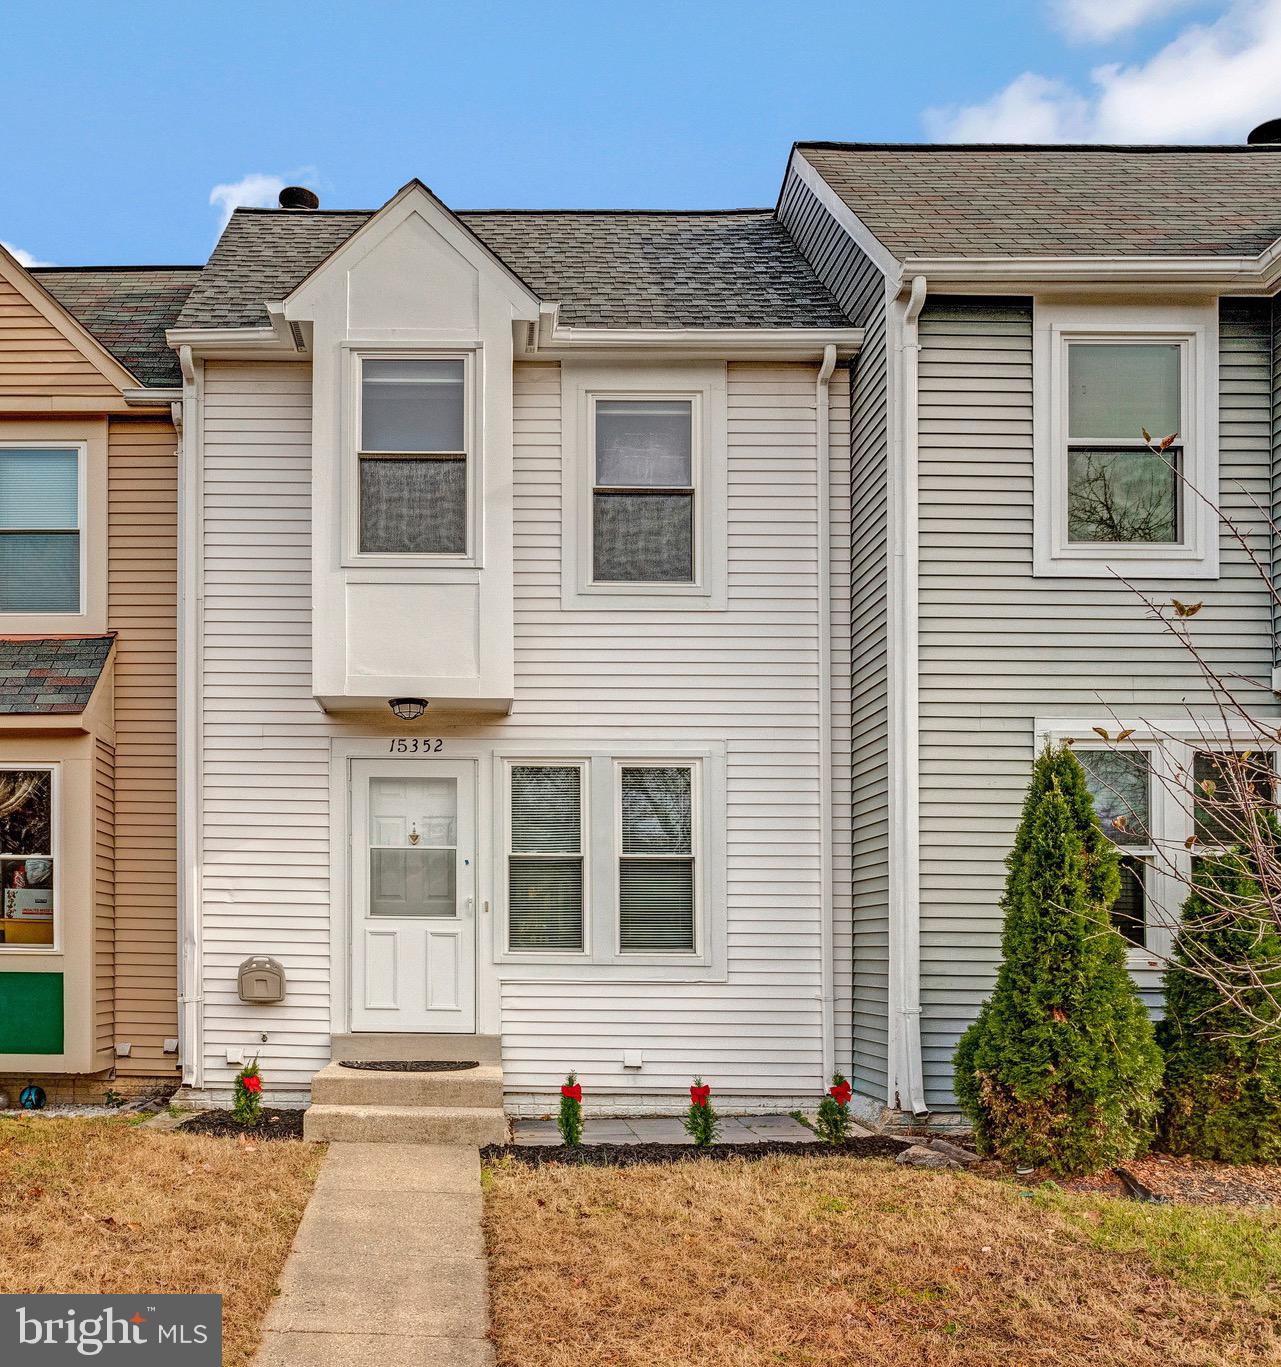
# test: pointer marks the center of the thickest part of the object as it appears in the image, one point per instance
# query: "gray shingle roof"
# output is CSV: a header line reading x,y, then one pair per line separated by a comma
x,y
997,200
127,308
736,268
52,675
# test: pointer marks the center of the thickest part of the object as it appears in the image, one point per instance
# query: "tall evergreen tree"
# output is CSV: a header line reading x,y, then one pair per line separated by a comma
x,y
1221,1097
1060,1069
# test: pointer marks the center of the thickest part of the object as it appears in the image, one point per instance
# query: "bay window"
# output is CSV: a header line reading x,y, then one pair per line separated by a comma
x,y
413,456
26,858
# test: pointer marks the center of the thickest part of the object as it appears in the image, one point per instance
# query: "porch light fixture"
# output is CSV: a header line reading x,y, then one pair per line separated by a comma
x,y
408,709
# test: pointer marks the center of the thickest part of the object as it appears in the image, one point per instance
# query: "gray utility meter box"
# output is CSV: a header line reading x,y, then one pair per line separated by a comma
x,y
261,979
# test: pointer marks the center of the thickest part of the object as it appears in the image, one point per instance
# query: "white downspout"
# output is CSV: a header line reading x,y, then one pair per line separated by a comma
x,y
190,632
907,1087
827,935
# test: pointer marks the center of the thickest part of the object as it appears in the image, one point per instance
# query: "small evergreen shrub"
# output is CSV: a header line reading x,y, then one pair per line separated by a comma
x,y
702,1124
570,1119
247,1106
1060,1070
834,1111
1221,1097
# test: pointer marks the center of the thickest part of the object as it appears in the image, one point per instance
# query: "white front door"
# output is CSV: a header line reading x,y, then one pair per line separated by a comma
x,y
413,863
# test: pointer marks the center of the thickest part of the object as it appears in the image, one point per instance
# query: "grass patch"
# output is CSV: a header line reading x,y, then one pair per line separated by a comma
x,y
831,1262
103,1206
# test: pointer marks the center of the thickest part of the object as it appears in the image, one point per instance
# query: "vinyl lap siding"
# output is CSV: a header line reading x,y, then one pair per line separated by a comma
x,y
862,961
142,531
746,677
36,359
104,873
999,647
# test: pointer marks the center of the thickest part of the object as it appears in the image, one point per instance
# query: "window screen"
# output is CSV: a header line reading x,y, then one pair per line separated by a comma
x,y
656,865
1228,791
545,859
1118,490
413,457
1120,782
39,530
643,495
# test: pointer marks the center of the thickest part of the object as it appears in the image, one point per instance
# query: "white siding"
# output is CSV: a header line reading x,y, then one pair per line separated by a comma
x,y
862,942
999,647
746,677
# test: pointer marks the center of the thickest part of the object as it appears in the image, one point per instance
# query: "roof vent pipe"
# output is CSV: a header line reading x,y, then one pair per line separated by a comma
x,y
299,197
1269,132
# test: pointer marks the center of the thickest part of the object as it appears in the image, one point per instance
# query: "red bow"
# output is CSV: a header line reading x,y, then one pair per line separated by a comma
x,y
574,1093
842,1092
699,1095
251,1083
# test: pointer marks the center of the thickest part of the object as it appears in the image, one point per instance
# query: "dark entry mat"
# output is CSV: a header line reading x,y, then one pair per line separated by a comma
x,y
405,1065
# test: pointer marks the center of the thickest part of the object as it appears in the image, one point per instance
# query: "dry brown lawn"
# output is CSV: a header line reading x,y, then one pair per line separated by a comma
x,y
825,1262
104,1206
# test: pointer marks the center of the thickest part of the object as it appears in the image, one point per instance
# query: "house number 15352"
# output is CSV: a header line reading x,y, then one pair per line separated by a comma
x,y
416,745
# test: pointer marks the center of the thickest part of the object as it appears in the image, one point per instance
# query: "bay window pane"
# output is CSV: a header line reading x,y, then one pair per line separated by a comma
x,y
545,903
1120,782
644,443
26,868
546,808
413,507
1123,496
412,405
1130,910
656,905
657,810
1115,390
643,538
1227,791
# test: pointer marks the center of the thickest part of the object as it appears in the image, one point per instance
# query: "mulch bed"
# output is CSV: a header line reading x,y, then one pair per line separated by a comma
x,y
630,1155
1195,1181
406,1065
272,1124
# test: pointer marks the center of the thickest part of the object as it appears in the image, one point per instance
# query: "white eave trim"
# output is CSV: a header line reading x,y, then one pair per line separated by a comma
x,y
552,340
868,243
144,398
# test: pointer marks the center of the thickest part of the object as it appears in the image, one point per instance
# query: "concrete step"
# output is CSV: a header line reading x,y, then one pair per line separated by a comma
x,y
445,1048
475,1088
470,1125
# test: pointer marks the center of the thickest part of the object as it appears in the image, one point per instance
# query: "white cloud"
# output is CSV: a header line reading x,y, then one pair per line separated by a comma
x,y
254,191
1095,21
23,258
1212,82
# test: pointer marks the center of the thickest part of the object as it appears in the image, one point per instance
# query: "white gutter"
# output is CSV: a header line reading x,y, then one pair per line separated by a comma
x,y
190,631
906,1082
827,900
150,397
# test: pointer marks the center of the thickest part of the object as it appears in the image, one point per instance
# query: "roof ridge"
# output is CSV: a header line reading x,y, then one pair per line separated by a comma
x,y
671,213
49,270
837,146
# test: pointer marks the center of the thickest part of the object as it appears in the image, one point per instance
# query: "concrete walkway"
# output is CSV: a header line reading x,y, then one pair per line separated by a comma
x,y
388,1266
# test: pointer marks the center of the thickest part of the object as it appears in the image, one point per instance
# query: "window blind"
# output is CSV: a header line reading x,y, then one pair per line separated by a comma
x,y
545,860
39,536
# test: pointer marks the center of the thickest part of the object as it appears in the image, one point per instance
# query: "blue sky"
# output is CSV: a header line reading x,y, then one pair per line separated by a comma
x,y
121,120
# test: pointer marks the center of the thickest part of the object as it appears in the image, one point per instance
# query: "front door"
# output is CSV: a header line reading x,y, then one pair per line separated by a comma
x,y
413,865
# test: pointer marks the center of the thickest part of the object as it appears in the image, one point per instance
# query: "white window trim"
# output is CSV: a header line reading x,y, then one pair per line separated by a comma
x,y
697,824
1194,329
584,766
21,622
1172,745
53,769
601,960
471,355
704,385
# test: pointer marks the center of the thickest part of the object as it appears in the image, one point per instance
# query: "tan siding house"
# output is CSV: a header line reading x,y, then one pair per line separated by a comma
x,y
88,614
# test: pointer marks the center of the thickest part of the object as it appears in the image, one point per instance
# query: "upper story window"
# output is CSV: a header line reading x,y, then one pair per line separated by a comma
x,y
1106,503
1120,492
644,486
413,456
40,540
643,514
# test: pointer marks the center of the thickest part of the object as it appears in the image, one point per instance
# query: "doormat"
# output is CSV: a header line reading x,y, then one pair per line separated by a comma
x,y
406,1065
